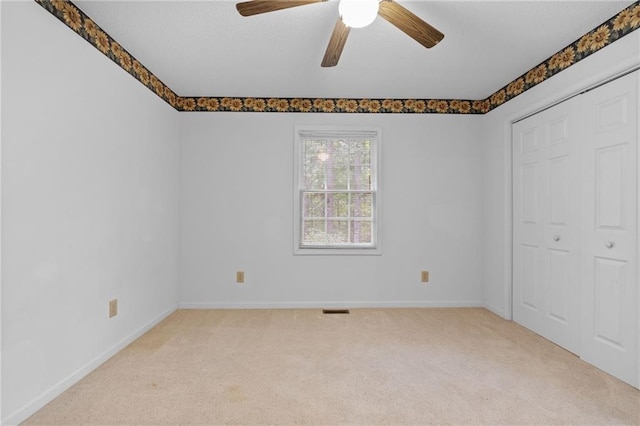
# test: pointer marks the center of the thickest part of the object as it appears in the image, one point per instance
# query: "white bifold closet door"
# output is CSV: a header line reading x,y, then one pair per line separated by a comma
x,y
575,241
546,225
609,236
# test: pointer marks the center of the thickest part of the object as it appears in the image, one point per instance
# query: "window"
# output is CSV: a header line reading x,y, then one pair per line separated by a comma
x,y
337,197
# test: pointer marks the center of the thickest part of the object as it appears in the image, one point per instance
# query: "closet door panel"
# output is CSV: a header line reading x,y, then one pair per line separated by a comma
x,y
529,278
560,296
560,217
609,259
527,138
545,218
609,285
559,195
610,176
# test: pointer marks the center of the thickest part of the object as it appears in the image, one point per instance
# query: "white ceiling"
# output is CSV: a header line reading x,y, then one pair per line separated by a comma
x,y
205,48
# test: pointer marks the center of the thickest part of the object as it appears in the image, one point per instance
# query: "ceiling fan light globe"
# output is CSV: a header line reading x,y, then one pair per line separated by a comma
x,y
358,13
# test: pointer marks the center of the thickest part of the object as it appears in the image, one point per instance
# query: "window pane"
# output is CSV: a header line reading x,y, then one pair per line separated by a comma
x,y
313,232
337,232
340,150
360,152
337,164
313,204
360,177
338,204
337,176
361,232
314,168
362,205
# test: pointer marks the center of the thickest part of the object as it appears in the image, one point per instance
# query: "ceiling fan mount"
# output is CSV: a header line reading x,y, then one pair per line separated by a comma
x,y
389,10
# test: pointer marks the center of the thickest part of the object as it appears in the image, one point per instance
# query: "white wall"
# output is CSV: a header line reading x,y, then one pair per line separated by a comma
x,y
496,160
89,194
237,214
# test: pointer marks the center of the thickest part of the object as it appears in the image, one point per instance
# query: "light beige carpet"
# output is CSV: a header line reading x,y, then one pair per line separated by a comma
x,y
373,366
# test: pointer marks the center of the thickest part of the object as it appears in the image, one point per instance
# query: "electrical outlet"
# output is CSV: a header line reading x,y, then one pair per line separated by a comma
x,y
240,277
113,308
424,276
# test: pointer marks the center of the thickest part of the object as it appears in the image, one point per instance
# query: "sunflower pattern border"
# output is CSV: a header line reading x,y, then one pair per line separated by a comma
x,y
618,26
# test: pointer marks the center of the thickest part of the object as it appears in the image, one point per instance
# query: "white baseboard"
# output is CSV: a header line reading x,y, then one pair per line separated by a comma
x,y
319,305
30,408
495,310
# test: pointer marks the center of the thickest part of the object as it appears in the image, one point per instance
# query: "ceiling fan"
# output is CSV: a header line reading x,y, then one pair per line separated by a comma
x,y
351,13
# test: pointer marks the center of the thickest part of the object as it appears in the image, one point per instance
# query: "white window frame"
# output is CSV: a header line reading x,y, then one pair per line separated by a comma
x,y
376,247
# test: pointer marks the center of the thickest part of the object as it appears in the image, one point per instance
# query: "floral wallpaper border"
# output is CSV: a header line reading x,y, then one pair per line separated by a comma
x,y
625,22
78,21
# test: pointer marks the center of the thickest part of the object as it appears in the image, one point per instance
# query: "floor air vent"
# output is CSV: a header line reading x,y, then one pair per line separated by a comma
x,y
335,311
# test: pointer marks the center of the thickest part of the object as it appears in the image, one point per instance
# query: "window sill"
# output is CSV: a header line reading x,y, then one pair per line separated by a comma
x,y
330,251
